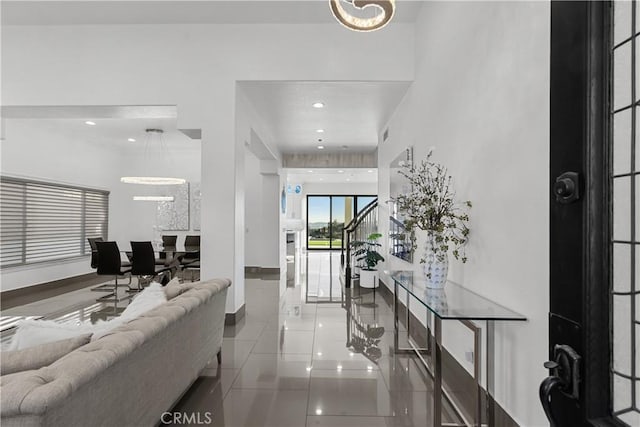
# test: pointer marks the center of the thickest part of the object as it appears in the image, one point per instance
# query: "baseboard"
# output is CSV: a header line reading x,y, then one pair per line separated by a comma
x,y
256,272
231,319
28,294
457,378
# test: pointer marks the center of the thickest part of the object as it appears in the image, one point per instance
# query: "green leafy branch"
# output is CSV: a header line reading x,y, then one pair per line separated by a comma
x,y
431,206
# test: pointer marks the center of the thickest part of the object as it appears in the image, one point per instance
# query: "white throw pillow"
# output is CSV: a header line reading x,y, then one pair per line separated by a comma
x,y
30,333
103,327
151,297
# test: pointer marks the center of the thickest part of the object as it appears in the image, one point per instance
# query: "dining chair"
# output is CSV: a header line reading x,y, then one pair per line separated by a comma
x,y
192,242
169,243
192,252
94,250
169,240
143,262
110,264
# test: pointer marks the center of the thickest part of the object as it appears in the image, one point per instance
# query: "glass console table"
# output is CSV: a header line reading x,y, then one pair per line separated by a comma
x,y
451,303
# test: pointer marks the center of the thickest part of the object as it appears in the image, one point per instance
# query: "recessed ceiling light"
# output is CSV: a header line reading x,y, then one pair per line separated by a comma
x,y
321,179
320,130
320,147
318,105
131,140
348,179
310,171
370,170
90,123
318,411
340,171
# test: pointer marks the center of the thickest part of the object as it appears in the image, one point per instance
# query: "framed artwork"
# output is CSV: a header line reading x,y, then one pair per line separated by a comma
x,y
196,196
174,216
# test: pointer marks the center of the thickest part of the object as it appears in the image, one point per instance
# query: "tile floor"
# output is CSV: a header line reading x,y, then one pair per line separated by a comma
x,y
292,363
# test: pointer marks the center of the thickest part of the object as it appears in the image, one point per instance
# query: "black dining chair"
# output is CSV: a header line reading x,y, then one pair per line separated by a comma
x,y
192,252
169,243
143,262
94,250
110,264
192,242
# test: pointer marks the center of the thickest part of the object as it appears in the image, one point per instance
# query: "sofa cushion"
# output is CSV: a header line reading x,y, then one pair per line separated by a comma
x,y
40,355
30,333
174,288
151,297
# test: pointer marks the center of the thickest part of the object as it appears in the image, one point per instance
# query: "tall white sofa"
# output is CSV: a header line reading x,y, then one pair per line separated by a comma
x,y
128,377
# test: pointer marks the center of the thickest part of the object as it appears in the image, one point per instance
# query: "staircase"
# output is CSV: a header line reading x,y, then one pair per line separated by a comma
x,y
362,225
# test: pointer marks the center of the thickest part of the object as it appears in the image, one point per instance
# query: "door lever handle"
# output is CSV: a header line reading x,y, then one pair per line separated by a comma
x,y
547,386
564,377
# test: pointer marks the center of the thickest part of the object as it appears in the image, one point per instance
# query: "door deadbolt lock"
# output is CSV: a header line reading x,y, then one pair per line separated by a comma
x,y
567,187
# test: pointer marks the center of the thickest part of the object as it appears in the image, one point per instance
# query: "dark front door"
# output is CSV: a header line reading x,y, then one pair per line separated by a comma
x,y
593,320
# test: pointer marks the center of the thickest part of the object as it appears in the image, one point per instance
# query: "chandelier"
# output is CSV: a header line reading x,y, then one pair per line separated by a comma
x,y
155,161
385,10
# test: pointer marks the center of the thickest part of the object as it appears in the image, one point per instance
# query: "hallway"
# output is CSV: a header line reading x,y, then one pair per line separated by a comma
x,y
289,363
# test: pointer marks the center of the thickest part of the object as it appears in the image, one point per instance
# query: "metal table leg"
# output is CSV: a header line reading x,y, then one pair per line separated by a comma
x,y
491,421
436,355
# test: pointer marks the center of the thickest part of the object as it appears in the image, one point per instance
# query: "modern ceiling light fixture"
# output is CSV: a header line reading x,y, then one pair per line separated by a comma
x,y
156,160
318,105
153,198
384,8
90,123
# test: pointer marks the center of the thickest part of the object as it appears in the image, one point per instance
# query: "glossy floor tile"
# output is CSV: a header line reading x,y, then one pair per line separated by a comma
x,y
275,371
269,408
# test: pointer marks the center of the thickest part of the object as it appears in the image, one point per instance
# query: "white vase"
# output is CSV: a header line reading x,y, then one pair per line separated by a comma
x,y
437,300
436,265
368,278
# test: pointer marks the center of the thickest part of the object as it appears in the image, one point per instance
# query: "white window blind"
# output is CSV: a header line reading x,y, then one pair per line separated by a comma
x,y
42,221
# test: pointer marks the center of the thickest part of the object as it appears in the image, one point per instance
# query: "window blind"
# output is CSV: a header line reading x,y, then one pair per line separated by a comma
x,y
42,221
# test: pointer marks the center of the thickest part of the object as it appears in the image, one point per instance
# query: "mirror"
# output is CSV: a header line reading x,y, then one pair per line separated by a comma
x,y
399,238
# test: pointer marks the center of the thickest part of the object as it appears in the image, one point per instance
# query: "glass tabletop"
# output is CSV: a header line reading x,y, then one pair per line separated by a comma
x,y
452,302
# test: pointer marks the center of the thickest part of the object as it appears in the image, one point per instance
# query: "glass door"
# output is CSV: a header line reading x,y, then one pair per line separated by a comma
x,y
318,222
326,217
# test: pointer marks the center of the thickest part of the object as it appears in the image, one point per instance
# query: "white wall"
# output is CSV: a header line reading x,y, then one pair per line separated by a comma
x,y
64,154
481,97
261,215
253,209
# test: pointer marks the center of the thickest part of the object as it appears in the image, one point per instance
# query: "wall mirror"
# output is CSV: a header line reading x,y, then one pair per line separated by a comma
x,y
399,237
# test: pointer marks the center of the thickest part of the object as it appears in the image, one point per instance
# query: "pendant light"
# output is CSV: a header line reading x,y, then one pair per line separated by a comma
x,y
385,10
155,161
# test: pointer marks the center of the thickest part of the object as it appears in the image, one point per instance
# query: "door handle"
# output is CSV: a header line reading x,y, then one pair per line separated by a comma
x,y
564,377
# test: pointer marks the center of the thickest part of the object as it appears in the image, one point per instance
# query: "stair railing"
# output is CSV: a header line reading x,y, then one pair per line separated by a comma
x,y
359,228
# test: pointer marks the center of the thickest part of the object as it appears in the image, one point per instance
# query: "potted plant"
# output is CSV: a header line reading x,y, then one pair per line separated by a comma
x,y
365,251
430,206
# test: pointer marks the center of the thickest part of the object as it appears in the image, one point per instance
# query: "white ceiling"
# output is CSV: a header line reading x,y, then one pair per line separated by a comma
x,y
332,176
354,112
114,125
113,132
83,12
